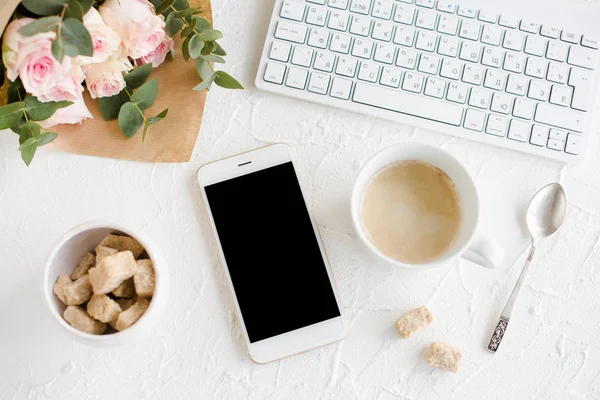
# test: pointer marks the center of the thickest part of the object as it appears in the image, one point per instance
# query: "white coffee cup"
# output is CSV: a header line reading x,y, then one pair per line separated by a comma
x,y
479,250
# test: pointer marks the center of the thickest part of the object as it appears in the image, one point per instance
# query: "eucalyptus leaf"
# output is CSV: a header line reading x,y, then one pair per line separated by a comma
x,y
173,25
159,117
156,3
210,34
28,153
46,138
110,106
145,96
166,4
202,24
146,126
213,58
76,36
226,81
38,111
206,83
78,8
11,114
41,25
203,68
29,130
218,50
16,92
130,119
185,13
196,46
208,48
58,50
44,7
189,29
181,5
138,76
29,142
185,49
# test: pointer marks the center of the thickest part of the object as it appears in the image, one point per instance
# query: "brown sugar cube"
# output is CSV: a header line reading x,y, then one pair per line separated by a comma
x,y
144,278
87,261
103,308
443,355
132,314
123,243
125,289
59,287
124,303
111,271
413,321
103,252
79,320
78,292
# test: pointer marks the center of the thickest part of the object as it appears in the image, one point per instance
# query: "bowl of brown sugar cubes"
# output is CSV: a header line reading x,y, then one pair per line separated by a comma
x,y
105,284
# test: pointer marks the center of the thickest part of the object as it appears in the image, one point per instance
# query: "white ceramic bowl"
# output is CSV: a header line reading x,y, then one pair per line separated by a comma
x,y
66,255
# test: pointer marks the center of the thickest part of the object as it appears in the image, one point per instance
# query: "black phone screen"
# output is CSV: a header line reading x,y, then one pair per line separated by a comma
x,y
271,251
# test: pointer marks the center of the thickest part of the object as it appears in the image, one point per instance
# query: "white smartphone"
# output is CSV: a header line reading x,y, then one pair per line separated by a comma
x,y
272,252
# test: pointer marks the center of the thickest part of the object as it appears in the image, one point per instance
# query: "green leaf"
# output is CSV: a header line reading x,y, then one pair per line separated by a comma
x,y
210,34
41,25
110,106
185,49
46,138
145,96
130,119
156,3
78,8
208,48
15,92
76,38
189,29
204,70
138,76
173,25
11,114
44,7
213,58
196,46
159,117
227,81
206,83
202,24
58,50
38,111
146,125
181,5
218,50
166,4
16,128
28,153
29,142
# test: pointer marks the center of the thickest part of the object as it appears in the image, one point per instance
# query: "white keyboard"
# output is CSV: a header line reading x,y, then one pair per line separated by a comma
x,y
434,64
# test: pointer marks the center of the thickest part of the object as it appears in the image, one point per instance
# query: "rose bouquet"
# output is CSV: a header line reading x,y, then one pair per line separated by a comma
x,y
53,50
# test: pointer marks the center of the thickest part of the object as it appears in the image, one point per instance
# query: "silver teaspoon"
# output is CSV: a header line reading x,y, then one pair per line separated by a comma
x,y
545,215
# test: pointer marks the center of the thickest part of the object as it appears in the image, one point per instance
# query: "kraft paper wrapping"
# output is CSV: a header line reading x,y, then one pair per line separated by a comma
x,y
169,141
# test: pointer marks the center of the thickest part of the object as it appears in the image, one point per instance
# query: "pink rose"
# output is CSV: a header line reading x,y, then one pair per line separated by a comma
x,y
74,114
136,22
158,56
107,44
106,79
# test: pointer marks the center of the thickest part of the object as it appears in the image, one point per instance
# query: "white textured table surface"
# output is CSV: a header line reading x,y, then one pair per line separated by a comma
x,y
550,352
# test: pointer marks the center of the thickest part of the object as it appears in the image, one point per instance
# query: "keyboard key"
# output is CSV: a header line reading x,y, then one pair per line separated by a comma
x,y
558,134
446,6
539,136
581,80
470,52
302,56
407,58
324,61
338,20
582,57
341,88
492,56
557,50
591,42
558,73
473,74
574,145
429,64
280,51
296,78
382,30
362,48
360,26
535,45
405,36
412,82
514,62
519,130
480,98
368,71
467,12
517,85
570,37
560,117
513,40
529,26
536,67
274,73
346,66
469,29
322,2
486,16
391,77
474,120
340,43
435,87
318,83
501,103
496,125
495,79
557,145
425,3
318,38
397,101
316,15
292,9
384,52
448,46
451,68
508,21
550,31
340,4
448,24
457,92
360,6
491,35
560,95
382,9
291,31
524,108
404,14
426,19
426,41
538,90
